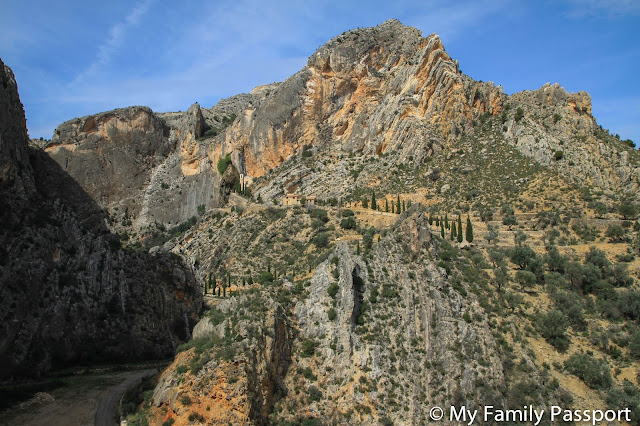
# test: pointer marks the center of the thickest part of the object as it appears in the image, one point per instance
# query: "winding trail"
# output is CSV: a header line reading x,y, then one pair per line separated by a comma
x,y
106,413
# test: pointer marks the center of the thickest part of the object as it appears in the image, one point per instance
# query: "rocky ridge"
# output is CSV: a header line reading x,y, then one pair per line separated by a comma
x,y
375,91
69,292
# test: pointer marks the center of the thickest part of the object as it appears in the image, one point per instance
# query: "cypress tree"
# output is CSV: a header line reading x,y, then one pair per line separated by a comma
x,y
365,204
404,209
224,291
218,291
374,206
398,204
437,220
430,219
250,280
358,248
409,204
446,221
442,229
386,205
469,234
459,229
454,234
393,209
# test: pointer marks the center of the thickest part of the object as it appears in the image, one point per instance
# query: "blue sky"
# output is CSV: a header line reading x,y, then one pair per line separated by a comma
x,y
74,58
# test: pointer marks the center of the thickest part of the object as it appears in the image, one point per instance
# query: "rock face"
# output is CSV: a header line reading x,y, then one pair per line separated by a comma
x,y
373,91
554,122
240,389
111,155
363,340
391,317
68,292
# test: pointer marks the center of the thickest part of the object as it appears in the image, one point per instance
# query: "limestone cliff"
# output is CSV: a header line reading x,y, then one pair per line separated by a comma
x,y
68,292
372,91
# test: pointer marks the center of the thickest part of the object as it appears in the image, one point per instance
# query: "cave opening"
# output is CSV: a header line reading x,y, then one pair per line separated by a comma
x,y
358,292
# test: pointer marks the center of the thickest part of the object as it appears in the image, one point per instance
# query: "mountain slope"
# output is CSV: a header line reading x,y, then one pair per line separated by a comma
x,y
68,292
373,91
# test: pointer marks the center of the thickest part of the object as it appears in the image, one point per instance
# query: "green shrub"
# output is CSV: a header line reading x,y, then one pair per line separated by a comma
x,y
315,394
185,400
558,155
193,416
265,277
320,214
627,210
615,233
307,348
321,240
553,326
333,290
348,223
223,163
332,314
594,372
181,369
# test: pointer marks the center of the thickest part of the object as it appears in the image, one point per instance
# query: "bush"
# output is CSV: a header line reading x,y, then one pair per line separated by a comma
x,y
523,256
627,396
627,210
332,314
315,394
509,221
265,278
347,213
333,290
321,240
185,400
553,326
193,416
615,233
526,279
307,348
571,305
519,115
558,155
629,305
320,214
595,373
348,223
223,163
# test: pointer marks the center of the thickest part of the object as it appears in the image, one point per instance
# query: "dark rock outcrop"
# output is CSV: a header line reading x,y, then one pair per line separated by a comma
x,y
68,292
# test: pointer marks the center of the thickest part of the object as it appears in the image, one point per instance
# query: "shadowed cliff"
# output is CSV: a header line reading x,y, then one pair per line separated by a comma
x,y
68,292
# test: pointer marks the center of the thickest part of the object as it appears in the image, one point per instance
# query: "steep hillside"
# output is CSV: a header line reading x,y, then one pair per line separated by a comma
x,y
372,91
464,247
68,292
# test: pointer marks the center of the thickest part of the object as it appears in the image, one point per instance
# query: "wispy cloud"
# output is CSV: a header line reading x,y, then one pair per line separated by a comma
x,y
115,39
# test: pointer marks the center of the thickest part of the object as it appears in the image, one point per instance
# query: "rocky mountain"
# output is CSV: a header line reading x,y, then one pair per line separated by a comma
x,y
375,91
69,293
375,304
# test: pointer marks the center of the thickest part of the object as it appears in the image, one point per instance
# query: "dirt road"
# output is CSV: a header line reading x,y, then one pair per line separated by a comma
x,y
106,413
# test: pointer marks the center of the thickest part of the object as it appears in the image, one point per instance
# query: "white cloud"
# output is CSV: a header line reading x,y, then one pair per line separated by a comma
x,y
115,39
